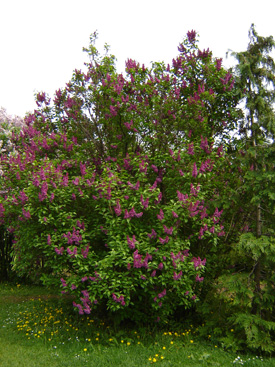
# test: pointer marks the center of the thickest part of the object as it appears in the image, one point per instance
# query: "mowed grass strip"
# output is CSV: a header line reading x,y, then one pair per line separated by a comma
x,y
40,329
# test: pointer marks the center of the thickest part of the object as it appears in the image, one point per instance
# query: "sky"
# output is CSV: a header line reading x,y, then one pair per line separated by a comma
x,y
41,41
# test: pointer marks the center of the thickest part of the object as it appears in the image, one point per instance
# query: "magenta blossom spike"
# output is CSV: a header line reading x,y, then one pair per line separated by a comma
x,y
195,170
177,276
160,216
145,203
132,242
168,230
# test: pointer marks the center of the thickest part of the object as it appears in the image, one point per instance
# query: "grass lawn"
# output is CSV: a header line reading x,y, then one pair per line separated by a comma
x,y
39,329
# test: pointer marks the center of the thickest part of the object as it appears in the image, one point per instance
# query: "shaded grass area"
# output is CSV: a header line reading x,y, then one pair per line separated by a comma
x,y
39,329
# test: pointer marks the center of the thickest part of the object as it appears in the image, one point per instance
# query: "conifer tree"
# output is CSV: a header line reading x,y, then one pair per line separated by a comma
x,y
255,73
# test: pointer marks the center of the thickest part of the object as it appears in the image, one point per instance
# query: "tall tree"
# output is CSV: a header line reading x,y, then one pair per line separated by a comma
x,y
244,300
256,72
250,233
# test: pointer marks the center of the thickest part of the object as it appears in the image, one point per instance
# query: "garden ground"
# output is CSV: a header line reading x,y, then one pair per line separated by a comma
x,y
38,328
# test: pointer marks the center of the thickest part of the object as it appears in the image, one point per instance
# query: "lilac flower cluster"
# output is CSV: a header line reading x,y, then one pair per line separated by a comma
x,y
119,299
139,262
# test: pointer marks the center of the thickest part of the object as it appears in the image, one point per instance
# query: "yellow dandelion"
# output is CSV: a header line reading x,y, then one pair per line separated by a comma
x,y
85,349
128,343
163,348
171,342
154,360
191,341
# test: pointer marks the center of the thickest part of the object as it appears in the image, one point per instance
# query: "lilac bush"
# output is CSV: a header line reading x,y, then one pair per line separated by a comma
x,y
112,192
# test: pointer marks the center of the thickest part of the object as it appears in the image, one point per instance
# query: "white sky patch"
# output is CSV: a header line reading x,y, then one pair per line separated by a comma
x,y
41,41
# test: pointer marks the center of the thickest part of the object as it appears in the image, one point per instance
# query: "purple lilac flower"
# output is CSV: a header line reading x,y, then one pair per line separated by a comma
x,y
26,214
159,198
49,239
134,187
177,276
194,190
198,279
153,234
145,203
43,194
154,168
76,181
218,64
23,197
128,124
191,149
160,216
80,225
182,197
195,170
80,308
72,253
74,237
162,294
204,144
168,230
198,263
85,252
64,284
59,251
163,241
191,35
117,208
194,208
175,215
204,213
118,299
219,150
202,230
154,186
132,242
217,214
